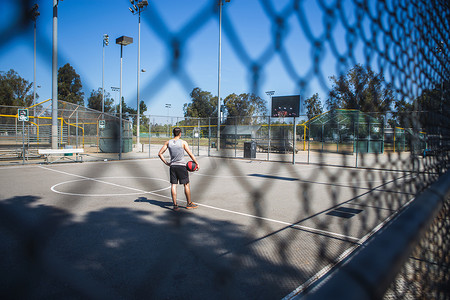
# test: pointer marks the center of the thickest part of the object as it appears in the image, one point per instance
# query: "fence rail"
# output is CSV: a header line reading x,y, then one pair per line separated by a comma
x,y
354,137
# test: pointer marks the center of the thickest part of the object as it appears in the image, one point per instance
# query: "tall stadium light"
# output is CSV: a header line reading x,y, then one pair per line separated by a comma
x,y
138,6
168,106
122,41
270,94
34,14
218,72
105,43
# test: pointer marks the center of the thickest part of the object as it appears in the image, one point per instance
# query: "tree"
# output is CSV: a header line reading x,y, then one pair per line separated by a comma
x,y
401,116
240,107
69,85
95,101
361,89
313,106
144,120
432,110
203,104
129,112
14,90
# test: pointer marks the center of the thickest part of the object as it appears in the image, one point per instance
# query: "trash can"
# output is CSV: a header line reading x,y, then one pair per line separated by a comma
x,y
250,149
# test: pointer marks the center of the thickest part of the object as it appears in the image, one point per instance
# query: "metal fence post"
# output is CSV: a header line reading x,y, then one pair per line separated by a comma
x,y
28,139
309,140
23,142
209,136
76,128
357,138
268,145
198,137
149,136
294,143
235,136
323,138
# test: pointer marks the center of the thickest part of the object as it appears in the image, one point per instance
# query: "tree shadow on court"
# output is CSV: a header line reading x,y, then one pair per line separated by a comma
x,y
118,253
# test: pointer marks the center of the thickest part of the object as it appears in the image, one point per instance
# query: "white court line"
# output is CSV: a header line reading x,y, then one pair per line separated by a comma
x,y
101,181
53,188
293,225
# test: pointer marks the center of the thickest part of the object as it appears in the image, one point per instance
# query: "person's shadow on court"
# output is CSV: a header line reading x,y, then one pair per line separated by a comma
x,y
162,204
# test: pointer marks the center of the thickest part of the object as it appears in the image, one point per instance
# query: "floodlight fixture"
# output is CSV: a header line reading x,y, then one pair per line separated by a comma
x,y
34,12
124,40
106,40
142,4
137,6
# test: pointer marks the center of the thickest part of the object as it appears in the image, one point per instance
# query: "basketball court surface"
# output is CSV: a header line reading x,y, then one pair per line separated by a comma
x,y
263,230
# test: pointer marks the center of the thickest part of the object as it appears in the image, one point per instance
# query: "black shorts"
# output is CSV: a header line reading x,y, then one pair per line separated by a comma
x,y
179,174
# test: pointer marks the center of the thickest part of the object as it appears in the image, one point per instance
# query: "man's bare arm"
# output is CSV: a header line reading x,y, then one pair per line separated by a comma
x,y
161,153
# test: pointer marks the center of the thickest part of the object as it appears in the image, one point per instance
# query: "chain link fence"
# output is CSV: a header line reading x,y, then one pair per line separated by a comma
x,y
403,249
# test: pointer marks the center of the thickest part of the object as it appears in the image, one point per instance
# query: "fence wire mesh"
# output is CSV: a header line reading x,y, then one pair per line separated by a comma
x,y
48,249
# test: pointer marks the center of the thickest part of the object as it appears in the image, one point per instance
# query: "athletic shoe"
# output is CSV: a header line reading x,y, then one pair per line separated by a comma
x,y
191,205
175,208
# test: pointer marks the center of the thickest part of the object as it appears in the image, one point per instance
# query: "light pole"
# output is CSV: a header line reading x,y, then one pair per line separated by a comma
x,y
137,6
55,76
122,41
34,14
218,72
270,94
168,106
105,43
115,89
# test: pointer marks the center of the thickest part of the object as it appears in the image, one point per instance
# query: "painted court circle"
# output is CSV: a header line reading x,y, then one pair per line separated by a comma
x,y
134,191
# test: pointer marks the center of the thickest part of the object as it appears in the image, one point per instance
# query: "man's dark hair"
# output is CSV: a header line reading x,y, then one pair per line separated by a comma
x,y
176,131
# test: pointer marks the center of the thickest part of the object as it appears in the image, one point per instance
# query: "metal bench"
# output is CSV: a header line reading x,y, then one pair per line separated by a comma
x,y
62,153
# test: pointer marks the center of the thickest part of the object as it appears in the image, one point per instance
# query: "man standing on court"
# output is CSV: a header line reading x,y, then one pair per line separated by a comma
x,y
178,171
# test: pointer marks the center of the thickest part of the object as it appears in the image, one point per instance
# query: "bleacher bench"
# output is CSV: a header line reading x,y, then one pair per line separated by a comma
x,y
61,153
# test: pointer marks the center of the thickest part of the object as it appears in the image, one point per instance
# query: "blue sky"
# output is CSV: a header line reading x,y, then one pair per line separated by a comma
x,y
82,23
